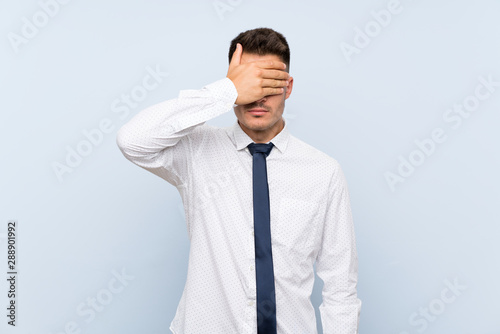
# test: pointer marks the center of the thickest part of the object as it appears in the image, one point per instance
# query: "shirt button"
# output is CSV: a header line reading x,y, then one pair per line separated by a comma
x,y
250,303
251,267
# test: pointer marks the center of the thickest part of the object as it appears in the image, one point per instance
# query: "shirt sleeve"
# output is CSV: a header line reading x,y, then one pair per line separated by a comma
x,y
337,263
160,138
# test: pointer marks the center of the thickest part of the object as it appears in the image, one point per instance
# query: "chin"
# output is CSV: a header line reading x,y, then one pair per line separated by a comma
x,y
257,127
257,124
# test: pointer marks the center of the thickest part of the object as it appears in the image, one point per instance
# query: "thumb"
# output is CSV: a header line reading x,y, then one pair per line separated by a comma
x,y
236,59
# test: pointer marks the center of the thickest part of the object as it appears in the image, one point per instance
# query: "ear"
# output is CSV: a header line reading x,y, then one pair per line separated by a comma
x,y
289,88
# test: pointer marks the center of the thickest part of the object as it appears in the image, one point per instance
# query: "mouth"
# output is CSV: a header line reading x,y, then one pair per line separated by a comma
x,y
257,111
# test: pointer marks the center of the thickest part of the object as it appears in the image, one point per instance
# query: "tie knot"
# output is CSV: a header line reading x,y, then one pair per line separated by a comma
x,y
260,148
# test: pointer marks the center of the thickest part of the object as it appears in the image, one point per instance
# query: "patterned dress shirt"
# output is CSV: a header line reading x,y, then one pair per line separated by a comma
x,y
311,219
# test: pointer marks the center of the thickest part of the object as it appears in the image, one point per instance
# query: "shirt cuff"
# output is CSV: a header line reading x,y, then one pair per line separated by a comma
x,y
224,90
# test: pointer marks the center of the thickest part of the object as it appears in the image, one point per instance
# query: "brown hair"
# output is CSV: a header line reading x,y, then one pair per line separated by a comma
x,y
262,41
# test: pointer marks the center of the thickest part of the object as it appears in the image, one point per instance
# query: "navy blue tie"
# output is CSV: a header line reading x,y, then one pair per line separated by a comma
x,y
266,300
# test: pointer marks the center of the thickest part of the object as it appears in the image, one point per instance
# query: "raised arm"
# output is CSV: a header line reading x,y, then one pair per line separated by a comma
x,y
160,138
156,139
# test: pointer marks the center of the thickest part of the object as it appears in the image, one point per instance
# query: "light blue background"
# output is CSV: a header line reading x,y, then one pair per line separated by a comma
x,y
109,216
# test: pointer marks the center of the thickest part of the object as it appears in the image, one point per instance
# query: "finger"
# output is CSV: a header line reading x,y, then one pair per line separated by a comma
x,y
275,74
274,83
278,65
272,91
236,59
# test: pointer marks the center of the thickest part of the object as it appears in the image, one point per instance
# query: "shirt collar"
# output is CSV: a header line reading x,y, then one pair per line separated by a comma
x,y
241,140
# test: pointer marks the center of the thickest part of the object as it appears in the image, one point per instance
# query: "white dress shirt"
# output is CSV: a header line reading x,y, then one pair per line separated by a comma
x,y
311,218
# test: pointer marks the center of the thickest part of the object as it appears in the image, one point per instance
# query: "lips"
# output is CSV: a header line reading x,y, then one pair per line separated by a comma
x,y
257,111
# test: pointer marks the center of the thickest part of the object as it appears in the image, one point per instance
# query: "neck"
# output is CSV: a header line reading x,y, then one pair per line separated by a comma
x,y
263,136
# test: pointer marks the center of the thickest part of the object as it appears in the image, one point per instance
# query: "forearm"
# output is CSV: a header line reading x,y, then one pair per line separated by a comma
x,y
158,137
162,125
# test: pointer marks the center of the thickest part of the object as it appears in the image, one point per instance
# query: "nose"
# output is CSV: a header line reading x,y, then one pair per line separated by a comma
x,y
264,99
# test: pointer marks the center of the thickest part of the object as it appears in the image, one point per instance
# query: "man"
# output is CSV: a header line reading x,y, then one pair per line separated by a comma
x,y
261,205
